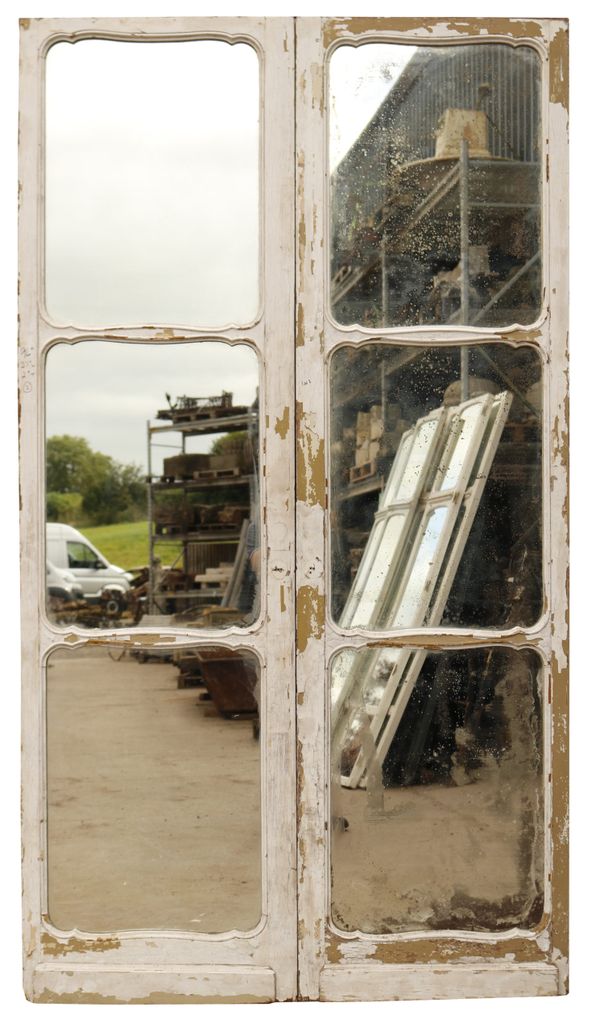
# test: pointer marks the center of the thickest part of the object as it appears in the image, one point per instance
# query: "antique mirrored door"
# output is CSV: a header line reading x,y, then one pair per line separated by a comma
x,y
292,379
157,207
431,577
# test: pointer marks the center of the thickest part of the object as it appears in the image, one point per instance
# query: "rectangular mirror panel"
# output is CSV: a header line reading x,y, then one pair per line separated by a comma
x,y
152,492
435,184
152,183
153,777
437,791
456,480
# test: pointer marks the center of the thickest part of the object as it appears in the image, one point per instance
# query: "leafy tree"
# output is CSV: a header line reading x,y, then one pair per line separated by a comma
x,y
229,442
109,491
63,508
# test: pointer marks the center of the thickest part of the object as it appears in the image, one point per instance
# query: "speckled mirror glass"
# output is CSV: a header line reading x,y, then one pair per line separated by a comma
x,y
152,183
434,157
153,789
437,790
435,482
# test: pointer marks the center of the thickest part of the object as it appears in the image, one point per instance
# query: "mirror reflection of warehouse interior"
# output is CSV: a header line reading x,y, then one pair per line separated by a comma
x,y
436,206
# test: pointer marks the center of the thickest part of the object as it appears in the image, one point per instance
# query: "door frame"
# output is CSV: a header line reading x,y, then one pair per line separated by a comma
x,y
336,965
150,965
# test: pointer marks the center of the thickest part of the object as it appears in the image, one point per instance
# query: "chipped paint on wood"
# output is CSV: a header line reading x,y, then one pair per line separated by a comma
x,y
80,996
311,615
558,55
430,951
441,640
129,641
336,28
282,425
54,947
318,93
310,478
282,605
300,325
560,810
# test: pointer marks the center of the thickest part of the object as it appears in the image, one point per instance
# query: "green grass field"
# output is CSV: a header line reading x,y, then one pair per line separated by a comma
x,y
126,544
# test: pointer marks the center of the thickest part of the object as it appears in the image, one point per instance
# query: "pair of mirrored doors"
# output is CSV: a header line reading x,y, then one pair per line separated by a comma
x,y
294,670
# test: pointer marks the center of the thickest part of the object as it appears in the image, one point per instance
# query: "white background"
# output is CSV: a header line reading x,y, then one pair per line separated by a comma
x,y
575,1011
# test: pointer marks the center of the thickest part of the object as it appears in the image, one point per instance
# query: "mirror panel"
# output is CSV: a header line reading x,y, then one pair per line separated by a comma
x,y
435,178
476,463
437,790
152,183
153,781
152,492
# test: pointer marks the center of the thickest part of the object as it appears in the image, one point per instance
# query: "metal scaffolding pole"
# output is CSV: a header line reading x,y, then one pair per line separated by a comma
x,y
464,263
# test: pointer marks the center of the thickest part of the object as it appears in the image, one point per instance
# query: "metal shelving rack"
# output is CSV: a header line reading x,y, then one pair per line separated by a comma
x,y
156,483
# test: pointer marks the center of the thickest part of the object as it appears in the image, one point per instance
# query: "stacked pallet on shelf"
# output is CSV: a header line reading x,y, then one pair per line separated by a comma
x,y
201,502
369,431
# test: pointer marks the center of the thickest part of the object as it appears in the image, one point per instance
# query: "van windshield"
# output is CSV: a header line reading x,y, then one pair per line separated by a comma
x,y
80,556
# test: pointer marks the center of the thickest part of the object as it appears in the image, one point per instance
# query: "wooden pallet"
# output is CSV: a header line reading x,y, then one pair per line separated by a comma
x,y
216,474
357,473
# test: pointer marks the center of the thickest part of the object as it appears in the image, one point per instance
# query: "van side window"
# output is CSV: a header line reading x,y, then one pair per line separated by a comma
x,y
80,556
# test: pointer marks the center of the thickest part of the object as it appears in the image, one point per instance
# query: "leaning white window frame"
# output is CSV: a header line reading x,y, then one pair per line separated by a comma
x,y
456,489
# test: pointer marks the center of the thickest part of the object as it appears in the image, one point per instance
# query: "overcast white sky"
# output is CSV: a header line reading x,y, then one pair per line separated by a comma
x,y
359,80
152,217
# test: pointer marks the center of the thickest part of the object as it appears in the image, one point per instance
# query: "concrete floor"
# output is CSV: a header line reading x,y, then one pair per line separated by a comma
x,y
154,820
435,857
153,801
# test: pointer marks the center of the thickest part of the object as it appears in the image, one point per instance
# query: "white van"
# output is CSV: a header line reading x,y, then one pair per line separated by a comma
x,y
69,550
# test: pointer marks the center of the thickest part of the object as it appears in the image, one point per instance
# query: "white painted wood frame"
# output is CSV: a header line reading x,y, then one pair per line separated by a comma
x,y
149,965
339,965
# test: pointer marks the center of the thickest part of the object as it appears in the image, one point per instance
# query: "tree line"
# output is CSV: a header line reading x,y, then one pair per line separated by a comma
x,y
89,488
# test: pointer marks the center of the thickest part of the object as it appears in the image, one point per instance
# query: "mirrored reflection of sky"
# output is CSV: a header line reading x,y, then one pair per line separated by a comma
x,y
152,183
359,80
105,391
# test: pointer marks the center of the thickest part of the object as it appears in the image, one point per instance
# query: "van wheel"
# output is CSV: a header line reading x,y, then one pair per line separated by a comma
x,y
113,604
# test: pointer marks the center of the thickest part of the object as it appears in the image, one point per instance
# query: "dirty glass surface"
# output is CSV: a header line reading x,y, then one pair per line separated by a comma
x,y
437,790
152,489
435,178
435,498
152,183
153,789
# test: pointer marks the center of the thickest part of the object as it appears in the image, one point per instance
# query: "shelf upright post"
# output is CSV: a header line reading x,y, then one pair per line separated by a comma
x,y
464,260
151,606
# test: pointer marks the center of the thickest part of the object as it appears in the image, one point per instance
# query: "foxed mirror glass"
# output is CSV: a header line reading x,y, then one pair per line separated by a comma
x,y
152,183
437,806
435,474
152,486
434,158
153,789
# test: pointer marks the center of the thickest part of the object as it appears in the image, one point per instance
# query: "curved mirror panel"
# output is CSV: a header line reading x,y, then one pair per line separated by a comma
x,y
152,183
472,461
153,789
152,484
435,158
437,806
